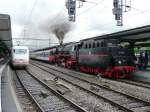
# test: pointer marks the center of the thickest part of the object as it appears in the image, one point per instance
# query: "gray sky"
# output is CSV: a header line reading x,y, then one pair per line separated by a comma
x,y
30,18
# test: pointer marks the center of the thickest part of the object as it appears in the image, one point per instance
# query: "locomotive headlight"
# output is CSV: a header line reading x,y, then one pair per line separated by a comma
x,y
119,62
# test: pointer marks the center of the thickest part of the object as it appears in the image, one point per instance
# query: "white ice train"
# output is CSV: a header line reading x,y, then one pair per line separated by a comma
x,y
20,56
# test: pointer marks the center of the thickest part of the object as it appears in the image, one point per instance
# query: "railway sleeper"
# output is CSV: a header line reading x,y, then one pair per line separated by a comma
x,y
145,108
134,105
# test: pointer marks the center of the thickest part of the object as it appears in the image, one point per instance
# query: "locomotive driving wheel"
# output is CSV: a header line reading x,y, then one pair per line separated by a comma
x,y
123,74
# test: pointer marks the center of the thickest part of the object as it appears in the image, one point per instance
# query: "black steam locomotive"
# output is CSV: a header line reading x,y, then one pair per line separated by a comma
x,y
102,56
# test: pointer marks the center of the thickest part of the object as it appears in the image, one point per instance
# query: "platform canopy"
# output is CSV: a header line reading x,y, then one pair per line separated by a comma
x,y
136,34
5,31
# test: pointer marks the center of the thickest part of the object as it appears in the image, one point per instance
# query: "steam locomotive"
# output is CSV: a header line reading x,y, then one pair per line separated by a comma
x,y
95,56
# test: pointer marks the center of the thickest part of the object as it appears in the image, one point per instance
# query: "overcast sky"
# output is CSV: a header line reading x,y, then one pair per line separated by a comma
x,y
30,18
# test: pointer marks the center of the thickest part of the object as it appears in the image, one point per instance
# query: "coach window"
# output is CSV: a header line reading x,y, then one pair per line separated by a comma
x,y
73,48
86,45
97,44
89,45
93,45
46,54
102,44
51,52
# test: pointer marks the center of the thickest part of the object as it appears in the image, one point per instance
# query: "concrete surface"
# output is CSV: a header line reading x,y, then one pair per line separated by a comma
x,y
9,100
2,66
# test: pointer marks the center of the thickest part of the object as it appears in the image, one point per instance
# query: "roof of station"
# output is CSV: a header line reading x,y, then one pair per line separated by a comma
x,y
5,31
136,35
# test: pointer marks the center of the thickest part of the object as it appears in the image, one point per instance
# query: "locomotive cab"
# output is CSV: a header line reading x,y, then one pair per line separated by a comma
x,y
122,59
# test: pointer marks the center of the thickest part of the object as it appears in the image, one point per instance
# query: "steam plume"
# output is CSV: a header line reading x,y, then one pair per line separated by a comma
x,y
58,25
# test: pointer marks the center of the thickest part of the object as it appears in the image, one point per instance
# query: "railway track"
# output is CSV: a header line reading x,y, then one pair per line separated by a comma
x,y
46,98
123,101
80,96
136,83
27,101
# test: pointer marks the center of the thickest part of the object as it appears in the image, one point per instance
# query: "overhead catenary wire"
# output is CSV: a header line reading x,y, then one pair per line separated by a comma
x,y
105,7
87,1
31,39
129,17
25,12
91,7
32,9
28,16
88,10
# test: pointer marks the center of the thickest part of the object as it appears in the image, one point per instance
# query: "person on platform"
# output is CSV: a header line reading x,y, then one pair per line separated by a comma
x,y
141,61
145,60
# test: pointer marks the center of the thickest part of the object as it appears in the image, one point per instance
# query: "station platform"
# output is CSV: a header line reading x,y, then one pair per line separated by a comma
x,y
8,99
141,75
